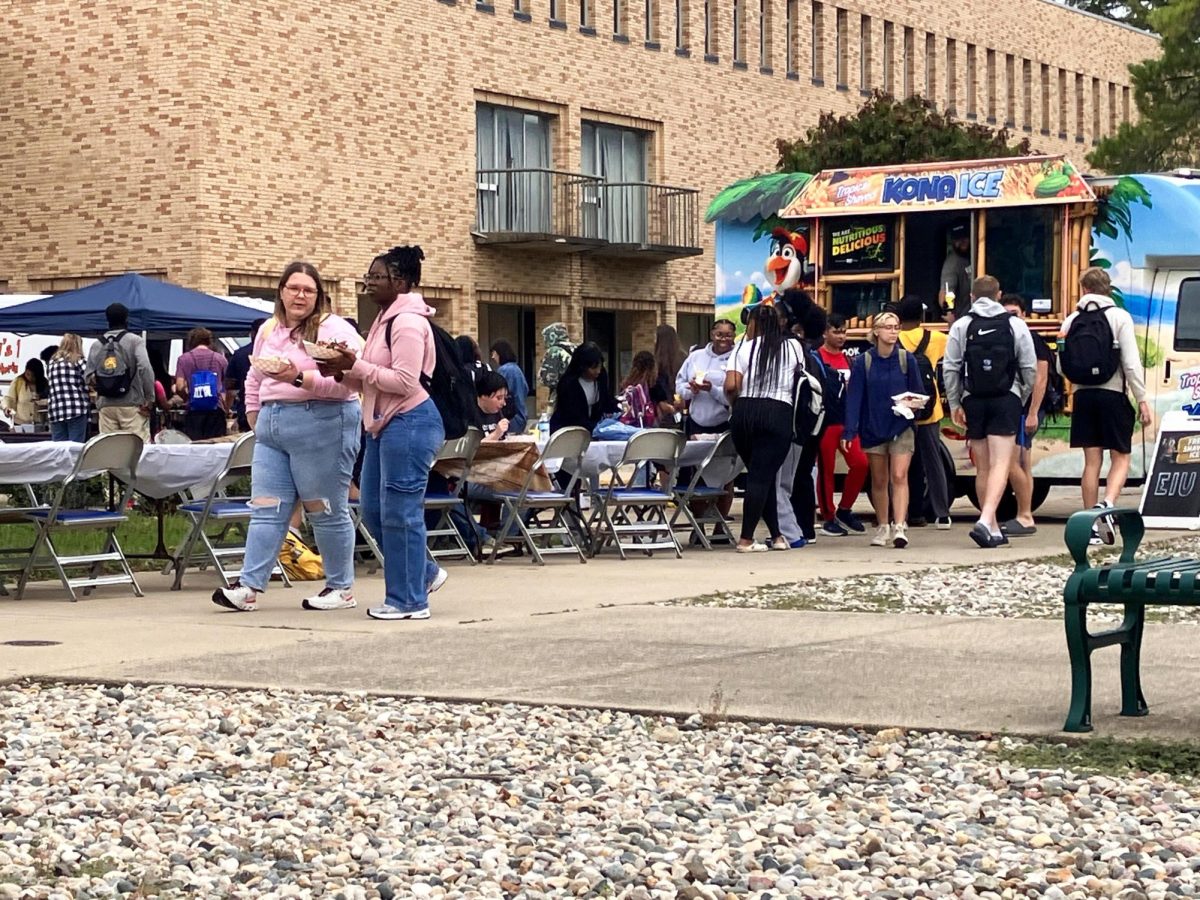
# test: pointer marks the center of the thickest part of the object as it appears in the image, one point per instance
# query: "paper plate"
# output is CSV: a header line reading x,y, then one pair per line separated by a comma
x,y
316,351
269,365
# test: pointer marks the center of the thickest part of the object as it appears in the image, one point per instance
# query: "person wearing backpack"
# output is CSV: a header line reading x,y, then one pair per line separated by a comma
x,y
118,367
841,520
306,428
989,370
1099,355
200,381
1020,473
927,473
405,428
876,376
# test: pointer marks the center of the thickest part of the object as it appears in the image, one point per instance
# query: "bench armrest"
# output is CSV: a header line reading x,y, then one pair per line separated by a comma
x,y
1079,533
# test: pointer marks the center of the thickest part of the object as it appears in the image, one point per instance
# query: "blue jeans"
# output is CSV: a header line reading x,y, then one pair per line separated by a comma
x,y
394,475
73,429
303,451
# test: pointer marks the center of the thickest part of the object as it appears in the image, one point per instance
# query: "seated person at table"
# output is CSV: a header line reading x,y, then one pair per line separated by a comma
x,y
491,391
583,396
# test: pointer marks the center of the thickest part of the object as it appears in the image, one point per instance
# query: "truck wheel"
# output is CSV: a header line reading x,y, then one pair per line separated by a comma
x,y
1041,490
1008,503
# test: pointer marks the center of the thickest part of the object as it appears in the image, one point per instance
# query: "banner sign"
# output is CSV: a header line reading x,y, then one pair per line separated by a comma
x,y
1171,495
860,245
1019,181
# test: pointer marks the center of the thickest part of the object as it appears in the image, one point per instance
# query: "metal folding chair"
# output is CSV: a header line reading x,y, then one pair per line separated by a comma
x,y
458,450
369,550
721,465
108,455
13,559
568,446
232,514
635,518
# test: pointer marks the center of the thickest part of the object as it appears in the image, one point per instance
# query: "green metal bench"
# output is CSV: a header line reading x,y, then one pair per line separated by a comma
x,y
1136,584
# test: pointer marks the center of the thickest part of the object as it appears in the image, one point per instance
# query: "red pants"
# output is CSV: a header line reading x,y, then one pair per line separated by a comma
x,y
856,477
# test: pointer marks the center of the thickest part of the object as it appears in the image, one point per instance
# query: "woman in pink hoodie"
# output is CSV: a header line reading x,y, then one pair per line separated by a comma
x,y
404,430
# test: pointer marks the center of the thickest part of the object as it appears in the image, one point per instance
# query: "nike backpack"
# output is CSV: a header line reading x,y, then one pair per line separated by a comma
x,y
990,356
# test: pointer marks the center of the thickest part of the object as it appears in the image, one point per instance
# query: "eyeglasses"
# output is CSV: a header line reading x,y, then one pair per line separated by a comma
x,y
295,291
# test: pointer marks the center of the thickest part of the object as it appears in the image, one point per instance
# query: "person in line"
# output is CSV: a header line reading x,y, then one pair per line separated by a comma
x,y
927,474
636,408
21,399
1020,472
125,410
582,396
306,427
470,356
47,354
701,384
200,381
758,384
668,359
556,359
1101,415
404,430
236,372
504,361
989,369
840,520
69,404
885,370
796,491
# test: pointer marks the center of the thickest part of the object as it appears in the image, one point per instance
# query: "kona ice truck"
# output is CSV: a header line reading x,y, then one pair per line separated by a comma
x,y
876,234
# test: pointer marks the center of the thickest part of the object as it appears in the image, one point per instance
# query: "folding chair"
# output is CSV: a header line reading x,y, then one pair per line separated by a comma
x,y
458,450
216,508
112,455
635,518
369,550
13,559
721,465
568,445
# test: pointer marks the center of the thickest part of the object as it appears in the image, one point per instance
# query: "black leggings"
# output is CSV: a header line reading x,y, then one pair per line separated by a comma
x,y
804,498
762,434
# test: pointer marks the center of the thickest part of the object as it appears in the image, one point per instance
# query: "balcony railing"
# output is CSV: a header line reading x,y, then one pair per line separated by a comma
x,y
567,210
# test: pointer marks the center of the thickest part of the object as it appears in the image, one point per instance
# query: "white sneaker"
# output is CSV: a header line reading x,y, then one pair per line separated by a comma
x,y
331,598
1104,525
438,580
900,535
238,597
390,613
882,535
501,548
944,523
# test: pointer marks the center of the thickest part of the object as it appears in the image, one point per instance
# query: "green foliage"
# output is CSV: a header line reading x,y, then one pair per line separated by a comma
x,y
1166,90
1128,12
887,131
1149,351
757,199
1109,756
1114,219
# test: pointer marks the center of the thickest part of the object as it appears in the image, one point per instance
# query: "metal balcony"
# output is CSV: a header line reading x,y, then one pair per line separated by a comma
x,y
568,212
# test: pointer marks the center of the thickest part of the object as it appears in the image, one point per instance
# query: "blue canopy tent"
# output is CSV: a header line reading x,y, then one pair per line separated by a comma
x,y
156,308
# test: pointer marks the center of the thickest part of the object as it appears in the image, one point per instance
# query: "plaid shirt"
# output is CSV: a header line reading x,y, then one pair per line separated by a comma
x,y
68,393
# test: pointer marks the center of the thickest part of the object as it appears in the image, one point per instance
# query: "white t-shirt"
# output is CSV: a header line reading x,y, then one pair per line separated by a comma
x,y
778,384
591,392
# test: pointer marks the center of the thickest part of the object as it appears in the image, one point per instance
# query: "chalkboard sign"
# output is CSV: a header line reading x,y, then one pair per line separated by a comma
x,y
860,245
1171,495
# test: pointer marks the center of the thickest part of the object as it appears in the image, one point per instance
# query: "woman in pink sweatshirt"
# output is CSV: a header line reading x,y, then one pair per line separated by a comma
x,y
404,430
306,427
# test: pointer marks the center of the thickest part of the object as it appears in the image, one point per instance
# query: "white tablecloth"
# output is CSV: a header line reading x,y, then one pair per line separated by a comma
x,y
164,469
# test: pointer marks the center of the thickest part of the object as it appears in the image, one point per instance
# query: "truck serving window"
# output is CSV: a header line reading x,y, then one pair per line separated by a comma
x,y
1187,315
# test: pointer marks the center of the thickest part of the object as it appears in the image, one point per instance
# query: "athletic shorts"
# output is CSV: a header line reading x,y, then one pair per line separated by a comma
x,y
1101,418
904,442
991,416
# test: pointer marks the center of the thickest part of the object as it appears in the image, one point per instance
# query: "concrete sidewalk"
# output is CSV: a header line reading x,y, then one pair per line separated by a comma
x,y
589,634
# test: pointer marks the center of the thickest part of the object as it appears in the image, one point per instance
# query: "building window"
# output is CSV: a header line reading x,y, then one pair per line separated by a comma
x,y
619,25
930,67
865,57
557,12
681,14
1027,99
513,177
909,52
989,65
951,76
651,21
1045,99
818,42
519,6
1112,108
1080,115
889,58
739,38
1010,90
585,14
1062,103
791,14
972,86
841,51
1097,126
710,30
1125,103
764,35
617,156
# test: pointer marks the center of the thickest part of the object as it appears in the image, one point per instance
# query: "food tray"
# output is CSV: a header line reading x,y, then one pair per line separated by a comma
x,y
269,365
316,351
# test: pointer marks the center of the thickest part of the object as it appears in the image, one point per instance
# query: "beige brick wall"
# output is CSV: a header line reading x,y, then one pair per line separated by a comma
x,y
202,137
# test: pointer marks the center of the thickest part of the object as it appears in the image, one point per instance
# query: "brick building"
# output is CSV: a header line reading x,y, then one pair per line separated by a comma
x,y
553,157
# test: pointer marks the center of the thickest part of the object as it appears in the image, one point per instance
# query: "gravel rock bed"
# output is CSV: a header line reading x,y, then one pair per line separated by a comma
x,y
174,792
1031,589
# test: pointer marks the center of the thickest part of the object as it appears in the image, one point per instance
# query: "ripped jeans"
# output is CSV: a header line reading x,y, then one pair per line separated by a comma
x,y
303,451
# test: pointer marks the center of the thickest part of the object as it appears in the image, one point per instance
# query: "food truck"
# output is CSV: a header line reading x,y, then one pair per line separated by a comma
x,y
876,234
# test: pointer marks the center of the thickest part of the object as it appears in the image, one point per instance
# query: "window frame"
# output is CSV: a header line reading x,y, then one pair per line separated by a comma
x,y
1186,344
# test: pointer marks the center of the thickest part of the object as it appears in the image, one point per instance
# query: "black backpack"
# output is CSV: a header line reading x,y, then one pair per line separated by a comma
x,y
808,403
451,386
989,356
1090,353
1054,401
113,376
928,375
